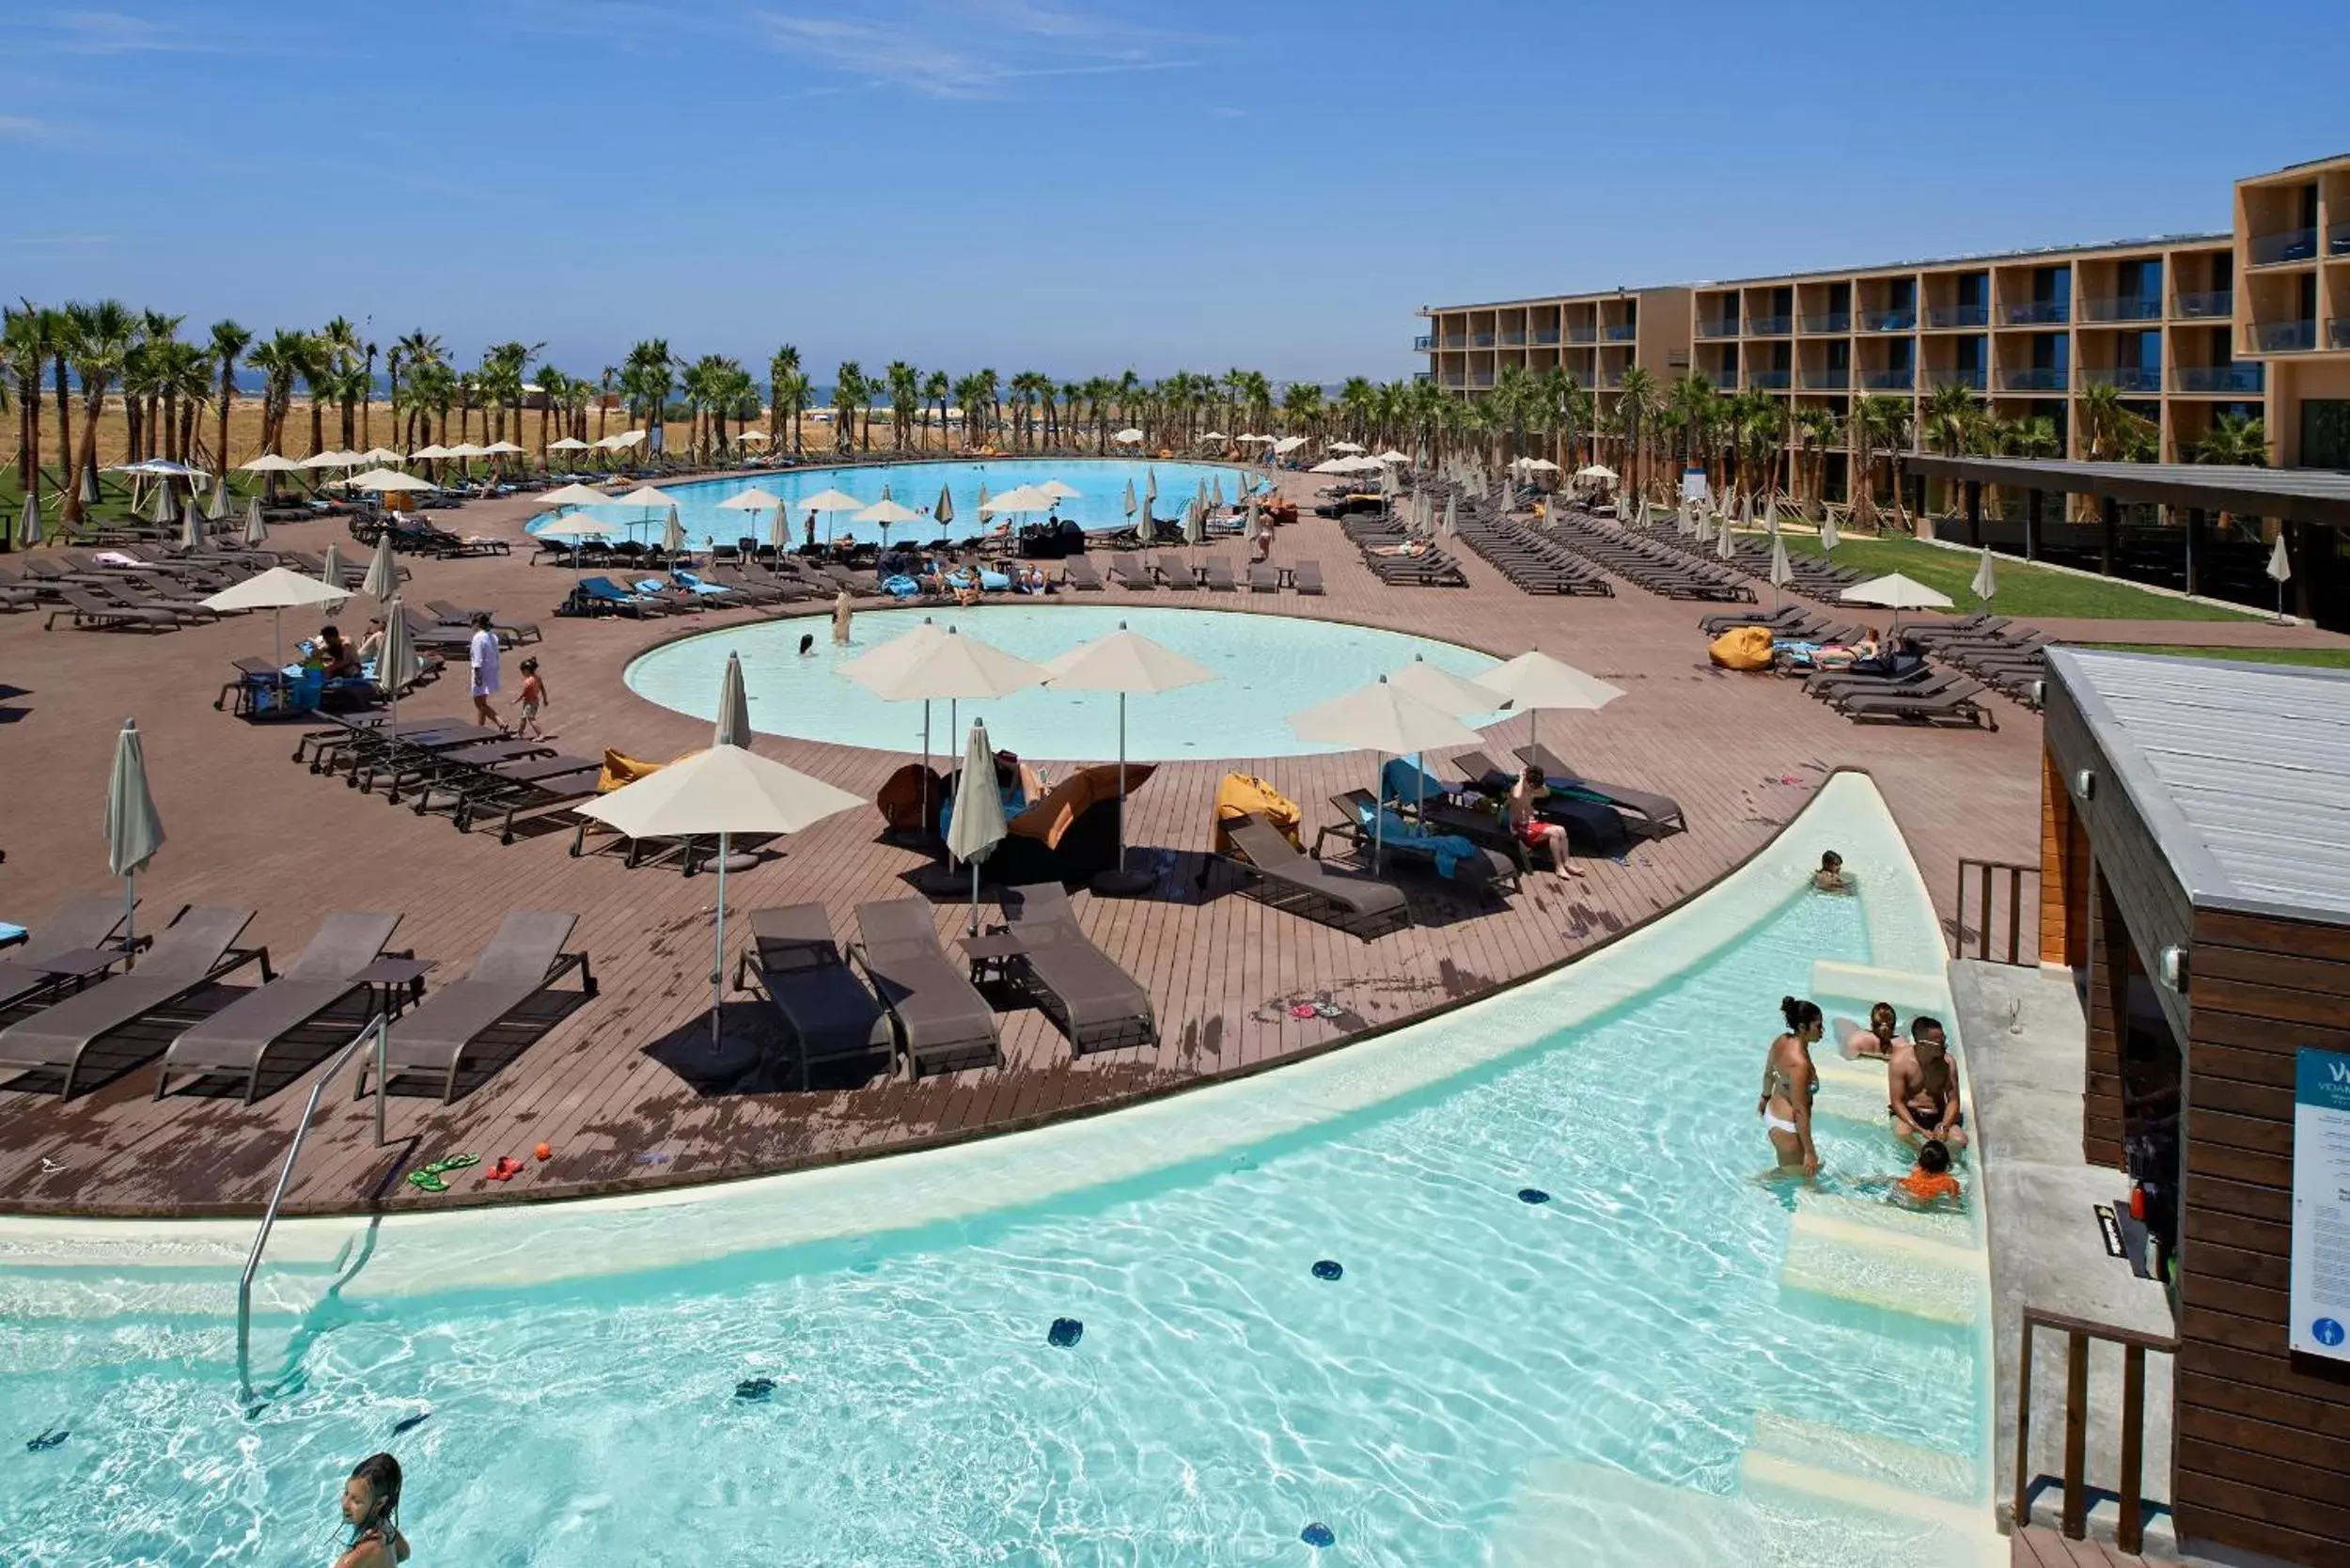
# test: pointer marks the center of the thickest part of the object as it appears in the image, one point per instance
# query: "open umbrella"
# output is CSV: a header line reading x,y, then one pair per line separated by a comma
x,y
578,495
2280,569
829,501
727,790
1128,437
979,826
1058,491
1534,681
1439,687
883,513
1897,593
933,662
1383,718
277,591
1986,581
134,831
1122,662
579,528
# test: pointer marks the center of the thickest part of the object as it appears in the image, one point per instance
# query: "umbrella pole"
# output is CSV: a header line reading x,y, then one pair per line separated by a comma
x,y
1122,782
129,902
718,957
975,897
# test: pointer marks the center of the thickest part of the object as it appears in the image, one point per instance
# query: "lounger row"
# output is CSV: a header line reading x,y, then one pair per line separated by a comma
x,y
1645,563
1215,574
1810,575
85,1016
1531,560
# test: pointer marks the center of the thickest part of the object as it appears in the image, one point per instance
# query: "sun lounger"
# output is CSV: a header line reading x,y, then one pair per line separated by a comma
x,y
1594,827
523,959
1281,876
1662,814
826,1009
942,1021
190,953
236,1039
1217,575
1954,704
80,925
1099,1006
90,613
511,632
1306,577
397,755
1479,866
1263,577
1177,573
1131,576
1078,573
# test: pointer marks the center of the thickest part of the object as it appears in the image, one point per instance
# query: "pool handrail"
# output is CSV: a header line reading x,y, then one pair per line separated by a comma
x,y
378,1029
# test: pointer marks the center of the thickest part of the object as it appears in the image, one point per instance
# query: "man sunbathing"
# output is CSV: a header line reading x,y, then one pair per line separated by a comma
x,y
1921,1089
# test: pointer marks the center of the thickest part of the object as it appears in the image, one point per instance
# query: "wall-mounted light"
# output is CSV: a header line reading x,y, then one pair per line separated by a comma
x,y
2171,967
2085,783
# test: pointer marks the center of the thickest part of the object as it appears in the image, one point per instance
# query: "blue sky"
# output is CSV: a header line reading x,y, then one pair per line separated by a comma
x,y
1082,185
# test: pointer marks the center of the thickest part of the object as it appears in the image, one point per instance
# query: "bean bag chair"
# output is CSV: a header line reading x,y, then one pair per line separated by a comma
x,y
909,799
1742,648
619,769
1241,794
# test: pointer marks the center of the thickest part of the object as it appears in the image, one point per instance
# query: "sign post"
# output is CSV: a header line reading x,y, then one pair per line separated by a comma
x,y
2320,1302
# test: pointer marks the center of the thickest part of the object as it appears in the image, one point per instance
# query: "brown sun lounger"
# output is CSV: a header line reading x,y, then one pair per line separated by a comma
x,y
1306,577
190,953
1133,578
828,1013
1956,705
942,1021
1078,572
1284,877
1099,1006
1217,575
1264,577
237,1038
1662,814
523,959
80,925
90,613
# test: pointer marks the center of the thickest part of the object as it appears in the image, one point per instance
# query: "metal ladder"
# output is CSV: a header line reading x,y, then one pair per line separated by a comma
x,y
378,1031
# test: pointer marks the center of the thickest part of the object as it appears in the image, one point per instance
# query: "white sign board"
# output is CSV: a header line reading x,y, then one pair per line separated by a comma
x,y
2321,1204
1692,486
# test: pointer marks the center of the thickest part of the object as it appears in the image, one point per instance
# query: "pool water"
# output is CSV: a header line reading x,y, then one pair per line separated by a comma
x,y
1102,505
1268,665
1488,1379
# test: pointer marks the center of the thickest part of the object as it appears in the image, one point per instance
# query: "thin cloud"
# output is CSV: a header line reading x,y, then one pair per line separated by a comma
x,y
966,49
57,242
1225,113
22,128
117,33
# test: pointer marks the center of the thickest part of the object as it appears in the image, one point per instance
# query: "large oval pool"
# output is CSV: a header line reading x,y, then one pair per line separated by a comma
x,y
1100,505
1268,667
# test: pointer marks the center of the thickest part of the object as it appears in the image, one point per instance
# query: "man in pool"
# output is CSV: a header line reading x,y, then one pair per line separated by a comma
x,y
1921,1089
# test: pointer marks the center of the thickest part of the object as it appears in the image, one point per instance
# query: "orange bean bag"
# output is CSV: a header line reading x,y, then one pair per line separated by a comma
x,y
1742,648
1241,794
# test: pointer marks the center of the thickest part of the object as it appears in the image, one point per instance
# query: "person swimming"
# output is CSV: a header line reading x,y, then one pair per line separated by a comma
x,y
1830,878
1789,1082
371,1508
808,644
1878,1042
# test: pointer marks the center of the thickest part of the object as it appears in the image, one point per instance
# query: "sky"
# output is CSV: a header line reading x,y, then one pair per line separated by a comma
x,y
1084,186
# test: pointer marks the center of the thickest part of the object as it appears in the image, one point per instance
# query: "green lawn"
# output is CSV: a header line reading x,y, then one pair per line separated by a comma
x,y
2025,592
2324,658
113,492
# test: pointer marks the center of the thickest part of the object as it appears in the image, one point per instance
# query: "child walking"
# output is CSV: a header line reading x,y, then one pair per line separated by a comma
x,y
534,696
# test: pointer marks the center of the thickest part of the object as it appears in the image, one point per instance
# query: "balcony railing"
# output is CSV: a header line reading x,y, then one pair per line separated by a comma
x,y
1888,380
1769,326
2039,378
2221,378
1481,340
1827,381
1542,336
1957,375
1582,334
2283,337
1478,380
2122,378
1453,340
2338,332
1903,319
1513,339
1827,320
1423,375
2037,313
2337,239
1423,343
2286,245
2205,304
2123,307
1607,381
1722,381
1620,332
1768,381
1959,316
1721,326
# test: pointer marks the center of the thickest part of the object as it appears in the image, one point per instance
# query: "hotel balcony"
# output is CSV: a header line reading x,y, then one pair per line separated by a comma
x,y
1582,334
1888,380
2338,332
2041,378
1423,343
2037,313
2283,337
2221,378
1423,375
1721,326
1542,336
2123,307
1620,332
1480,341
1829,322
2286,245
1769,326
1477,381
1904,319
1608,379
1959,316
2337,239
1827,381
2205,304
1768,381
1721,381
1513,339
2123,378
1969,376
1450,340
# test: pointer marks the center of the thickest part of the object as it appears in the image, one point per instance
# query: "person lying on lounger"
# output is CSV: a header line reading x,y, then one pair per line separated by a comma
x,y
1409,547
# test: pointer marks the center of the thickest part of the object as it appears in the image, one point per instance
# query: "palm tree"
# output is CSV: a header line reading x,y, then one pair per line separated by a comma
x,y
2235,438
605,384
782,367
102,335
936,388
905,393
1816,429
59,329
1637,402
340,340
26,351
848,388
645,378
228,342
1301,407
984,385
1879,426
411,353
558,389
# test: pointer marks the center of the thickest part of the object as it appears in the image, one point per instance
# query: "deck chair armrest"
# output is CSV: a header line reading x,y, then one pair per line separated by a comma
x,y
564,963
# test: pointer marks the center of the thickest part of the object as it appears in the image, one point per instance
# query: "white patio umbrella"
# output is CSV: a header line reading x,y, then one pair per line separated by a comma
x,y
1128,437
1345,446
1827,532
1383,718
578,495
191,526
435,450
1216,495
673,535
979,826
255,530
1196,522
381,454
217,509
935,664
885,513
277,590
1058,491
1986,581
580,527
828,501
397,666
1256,522
1392,455
1724,545
1288,444
386,480
161,513
567,444
1897,593
943,512
382,582
501,448
1783,572
1535,682
1681,518
1122,662
983,501
1596,471
1019,498
88,488
331,566
1441,688
2280,569
134,831
779,529
653,502
28,531
727,790
1332,466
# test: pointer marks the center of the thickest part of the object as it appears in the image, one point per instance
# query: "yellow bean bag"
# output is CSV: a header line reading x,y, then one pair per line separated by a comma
x,y
620,770
1743,648
1241,795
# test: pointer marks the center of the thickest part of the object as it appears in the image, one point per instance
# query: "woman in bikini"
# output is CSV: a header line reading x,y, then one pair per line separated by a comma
x,y
1789,1082
371,1508
1531,830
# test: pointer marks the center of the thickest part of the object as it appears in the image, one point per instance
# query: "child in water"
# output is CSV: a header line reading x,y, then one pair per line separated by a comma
x,y
1929,1184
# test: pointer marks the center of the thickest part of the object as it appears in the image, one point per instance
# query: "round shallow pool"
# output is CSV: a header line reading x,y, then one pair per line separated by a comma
x,y
1268,668
1100,506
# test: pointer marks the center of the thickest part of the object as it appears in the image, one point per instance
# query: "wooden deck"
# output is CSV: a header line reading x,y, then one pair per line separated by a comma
x,y
2037,1546
626,1088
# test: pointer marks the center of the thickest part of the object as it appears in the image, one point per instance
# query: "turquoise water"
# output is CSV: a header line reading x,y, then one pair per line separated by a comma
x,y
1268,667
916,486
1630,1335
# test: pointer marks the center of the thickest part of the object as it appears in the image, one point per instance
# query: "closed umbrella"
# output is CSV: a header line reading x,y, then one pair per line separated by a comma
x,y
191,527
982,502
2280,569
1256,523
382,583
943,512
331,566
134,831
734,706
1451,515
1827,531
979,826
256,532
217,509
1986,581
1383,718
1122,662
1783,572
277,591
28,531
1215,495
1724,545
161,513
673,535
90,488
780,530
396,664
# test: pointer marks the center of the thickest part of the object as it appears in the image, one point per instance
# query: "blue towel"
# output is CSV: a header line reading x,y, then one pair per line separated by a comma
x,y
1404,780
901,587
1449,849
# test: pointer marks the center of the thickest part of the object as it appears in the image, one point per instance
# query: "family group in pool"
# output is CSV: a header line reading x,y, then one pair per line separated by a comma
x,y
1921,1093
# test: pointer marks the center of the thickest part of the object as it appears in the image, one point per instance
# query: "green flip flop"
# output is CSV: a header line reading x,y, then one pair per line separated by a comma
x,y
427,1180
459,1162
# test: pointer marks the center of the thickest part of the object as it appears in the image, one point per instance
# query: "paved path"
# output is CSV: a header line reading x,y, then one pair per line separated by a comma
x,y
2193,633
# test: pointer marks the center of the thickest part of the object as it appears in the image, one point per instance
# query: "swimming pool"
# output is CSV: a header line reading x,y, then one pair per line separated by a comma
x,y
1663,1362
1269,666
916,486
